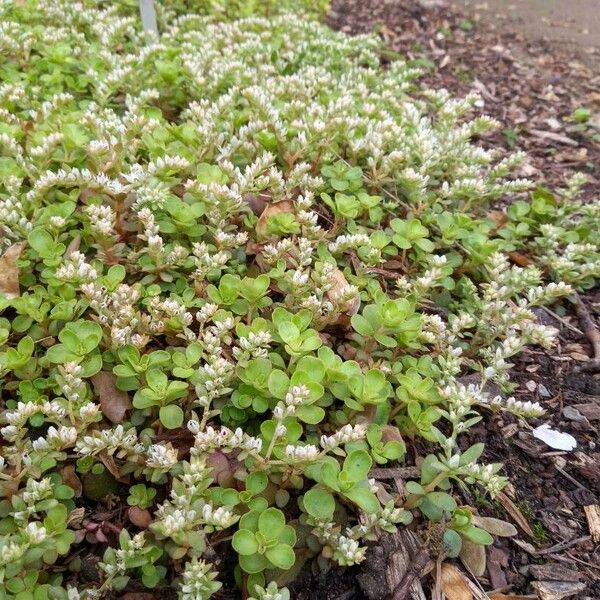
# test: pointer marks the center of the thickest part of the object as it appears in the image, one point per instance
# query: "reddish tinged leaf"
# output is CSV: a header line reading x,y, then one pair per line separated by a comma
x,y
222,469
519,259
113,402
139,517
9,272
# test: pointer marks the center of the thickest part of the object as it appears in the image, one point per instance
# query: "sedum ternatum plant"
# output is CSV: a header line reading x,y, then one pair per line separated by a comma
x,y
241,264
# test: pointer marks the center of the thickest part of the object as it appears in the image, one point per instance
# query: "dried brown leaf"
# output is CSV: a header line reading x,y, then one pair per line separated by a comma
x,y
9,272
76,516
498,216
70,478
512,509
495,526
454,583
113,402
473,557
111,466
557,590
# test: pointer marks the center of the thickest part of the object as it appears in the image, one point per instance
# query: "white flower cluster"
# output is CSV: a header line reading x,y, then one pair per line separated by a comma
x,y
223,439
77,270
348,433
344,549
161,457
115,441
198,580
129,551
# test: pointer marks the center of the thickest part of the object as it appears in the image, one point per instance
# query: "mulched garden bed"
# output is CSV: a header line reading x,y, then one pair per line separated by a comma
x,y
535,91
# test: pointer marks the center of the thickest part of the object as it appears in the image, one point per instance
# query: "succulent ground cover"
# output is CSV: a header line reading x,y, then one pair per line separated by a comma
x,y
242,265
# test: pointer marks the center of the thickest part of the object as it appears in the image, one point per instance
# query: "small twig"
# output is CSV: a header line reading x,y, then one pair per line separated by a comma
x,y
415,571
393,472
583,562
563,545
592,334
571,479
561,320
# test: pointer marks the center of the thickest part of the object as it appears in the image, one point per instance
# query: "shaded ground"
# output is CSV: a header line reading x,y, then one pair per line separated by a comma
x,y
573,26
549,103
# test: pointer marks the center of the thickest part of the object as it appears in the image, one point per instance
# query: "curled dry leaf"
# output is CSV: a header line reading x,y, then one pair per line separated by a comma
x,y
499,217
285,206
454,583
494,526
256,202
473,557
76,516
352,305
113,402
9,272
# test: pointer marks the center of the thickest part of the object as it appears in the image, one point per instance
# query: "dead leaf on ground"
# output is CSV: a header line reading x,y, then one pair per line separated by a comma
x,y
519,259
113,402
109,462
9,272
454,583
494,526
70,478
473,557
499,217
513,510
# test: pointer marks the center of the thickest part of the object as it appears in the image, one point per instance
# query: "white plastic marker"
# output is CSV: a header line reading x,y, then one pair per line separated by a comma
x,y
555,439
148,15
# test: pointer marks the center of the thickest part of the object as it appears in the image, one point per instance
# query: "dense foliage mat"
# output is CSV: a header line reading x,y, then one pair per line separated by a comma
x,y
241,265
